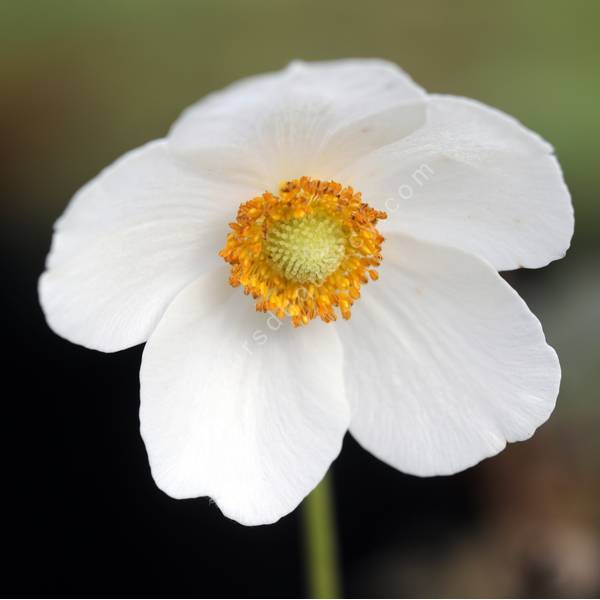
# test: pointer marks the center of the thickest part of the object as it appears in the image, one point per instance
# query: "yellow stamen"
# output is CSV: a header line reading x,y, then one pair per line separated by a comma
x,y
306,251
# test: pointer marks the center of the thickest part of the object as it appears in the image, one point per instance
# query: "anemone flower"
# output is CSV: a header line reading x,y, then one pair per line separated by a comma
x,y
240,246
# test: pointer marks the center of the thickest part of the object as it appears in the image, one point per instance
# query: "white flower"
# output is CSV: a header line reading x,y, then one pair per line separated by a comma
x,y
441,362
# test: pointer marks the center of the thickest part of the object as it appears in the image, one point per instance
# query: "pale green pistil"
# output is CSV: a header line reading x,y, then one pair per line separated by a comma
x,y
307,249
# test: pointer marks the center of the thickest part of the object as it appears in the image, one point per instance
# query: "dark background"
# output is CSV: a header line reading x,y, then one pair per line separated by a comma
x,y
82,82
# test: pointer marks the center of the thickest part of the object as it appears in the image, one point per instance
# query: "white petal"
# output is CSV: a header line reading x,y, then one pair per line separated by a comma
x,y
305,120
238,406
128,243
146,185
473,178
111,295
444,361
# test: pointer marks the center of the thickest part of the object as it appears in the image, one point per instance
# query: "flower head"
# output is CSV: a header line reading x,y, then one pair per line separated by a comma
x,y
233,246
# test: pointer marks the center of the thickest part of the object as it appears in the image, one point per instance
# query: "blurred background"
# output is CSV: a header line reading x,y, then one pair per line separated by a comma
x,y
84,81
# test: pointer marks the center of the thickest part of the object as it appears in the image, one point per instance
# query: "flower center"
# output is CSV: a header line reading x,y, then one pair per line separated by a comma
x,y
306,249
305,252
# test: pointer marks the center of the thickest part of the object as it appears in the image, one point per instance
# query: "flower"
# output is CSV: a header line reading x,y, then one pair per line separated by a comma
x,y
240,246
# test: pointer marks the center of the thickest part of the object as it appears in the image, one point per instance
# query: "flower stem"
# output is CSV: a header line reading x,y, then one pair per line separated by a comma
x,y
320,542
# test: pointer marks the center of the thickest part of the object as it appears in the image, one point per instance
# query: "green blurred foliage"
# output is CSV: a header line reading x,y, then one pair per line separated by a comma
x,y
82,81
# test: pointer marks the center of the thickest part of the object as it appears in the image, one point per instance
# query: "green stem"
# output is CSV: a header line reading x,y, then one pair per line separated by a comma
x,y
320,542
